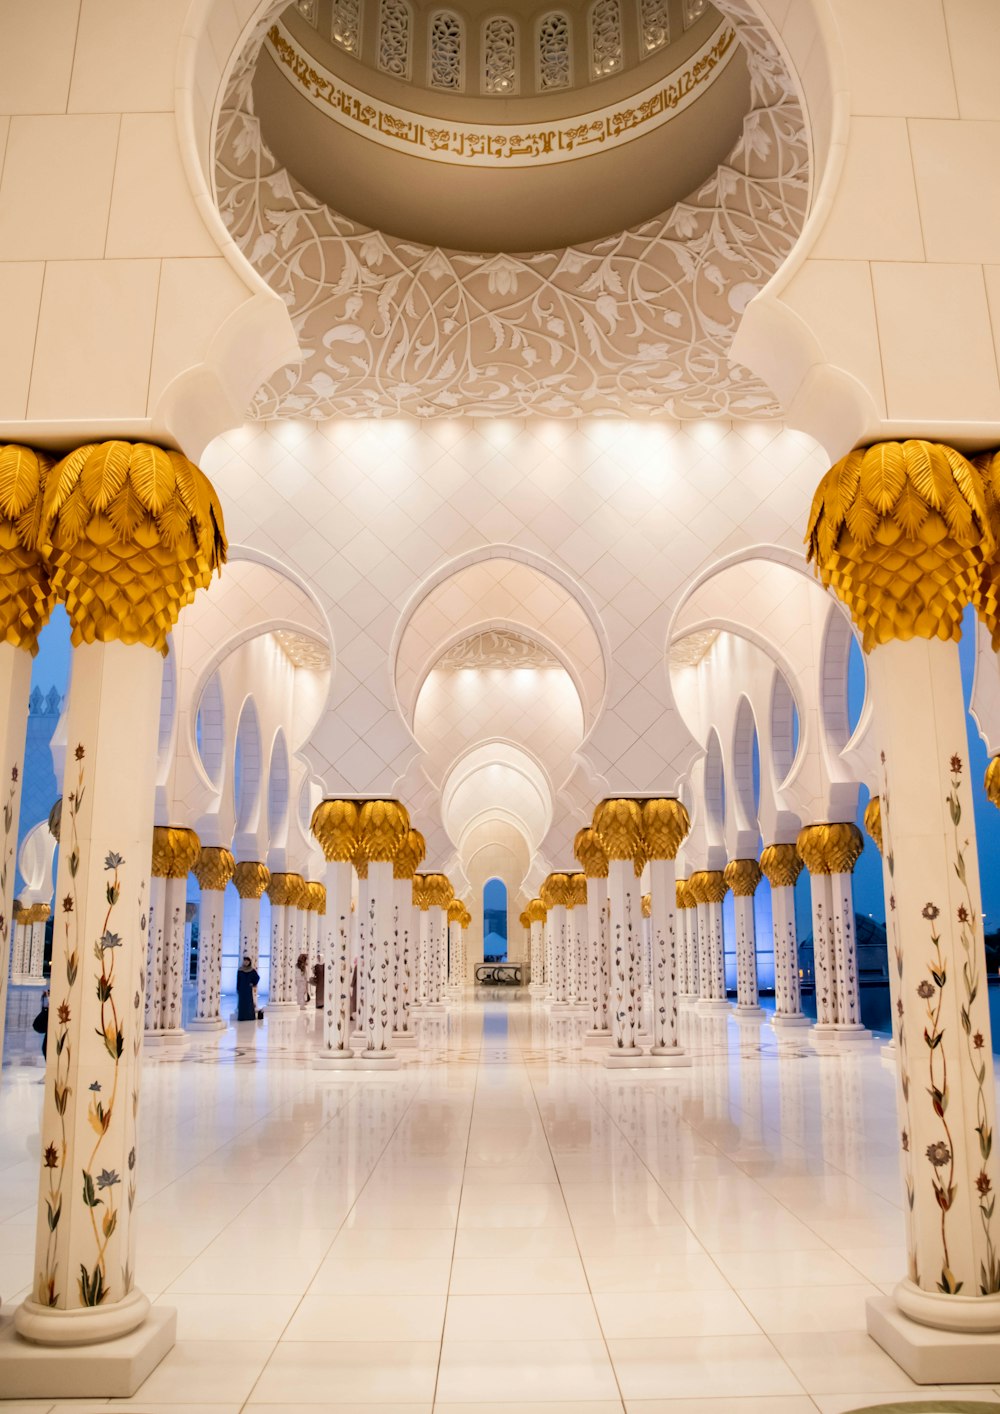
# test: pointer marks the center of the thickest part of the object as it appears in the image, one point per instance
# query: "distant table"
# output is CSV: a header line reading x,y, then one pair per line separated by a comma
x,y
498,974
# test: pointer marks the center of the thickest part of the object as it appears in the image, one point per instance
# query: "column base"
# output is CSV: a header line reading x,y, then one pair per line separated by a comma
x,y
403,1040
712,1006
687,999
376,1060
434,1008
748,1013
281,1006
176,1039
624,1059
106,1369
781,1019
829,1040
888,1052
931,1356
668,1056
596,1040
559,1006
333,1060
208,1023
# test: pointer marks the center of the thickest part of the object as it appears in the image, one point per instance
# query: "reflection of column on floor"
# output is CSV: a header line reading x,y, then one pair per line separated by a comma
x,y
793,1113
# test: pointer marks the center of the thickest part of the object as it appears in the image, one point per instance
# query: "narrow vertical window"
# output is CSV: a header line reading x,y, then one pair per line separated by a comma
x,y
499,56
447,43
346,25
605,38
394,38
655,25
553,52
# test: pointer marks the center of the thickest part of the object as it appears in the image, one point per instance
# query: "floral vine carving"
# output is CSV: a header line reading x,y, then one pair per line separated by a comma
x,y
978,1058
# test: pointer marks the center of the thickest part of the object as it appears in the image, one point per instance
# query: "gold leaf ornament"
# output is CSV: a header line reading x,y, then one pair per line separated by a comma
x,y
781,865
743,876
456,911
589,852
26,594
214,868
439,890
665,824
175,851
708,885
287,890
618,826
991,782
682,894
536,911
409,856
251,878
131,532
556,890
905,533
831,848
335,825
873,820
382,827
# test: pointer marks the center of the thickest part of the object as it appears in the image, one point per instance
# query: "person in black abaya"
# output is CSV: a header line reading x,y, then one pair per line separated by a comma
x,y
246,980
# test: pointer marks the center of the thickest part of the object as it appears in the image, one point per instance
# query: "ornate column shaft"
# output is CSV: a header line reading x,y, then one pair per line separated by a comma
x,y
781,866
665,824
830,853
710,888
130,534
439,895
422,942
285,891
335,826
743,876
404,866
213,869
906,535
251,879
175,850
578,981
456,910
555,894
383,827
618,825
687,914
536,925
589,851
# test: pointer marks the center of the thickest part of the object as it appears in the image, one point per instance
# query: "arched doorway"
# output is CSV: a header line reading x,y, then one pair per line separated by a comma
x,y
494,921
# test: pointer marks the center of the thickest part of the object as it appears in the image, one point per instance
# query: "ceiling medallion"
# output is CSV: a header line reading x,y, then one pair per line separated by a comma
x,y
303,651
497,648
499,145
687,652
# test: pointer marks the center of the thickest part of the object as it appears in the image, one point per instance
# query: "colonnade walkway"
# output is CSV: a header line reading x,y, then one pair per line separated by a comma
x,y
503,1224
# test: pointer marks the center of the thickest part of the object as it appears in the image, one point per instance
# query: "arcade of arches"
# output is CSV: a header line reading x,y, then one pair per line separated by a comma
x,y
586,541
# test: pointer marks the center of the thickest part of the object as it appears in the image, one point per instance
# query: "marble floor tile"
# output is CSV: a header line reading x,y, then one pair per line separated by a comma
x,y
500,1227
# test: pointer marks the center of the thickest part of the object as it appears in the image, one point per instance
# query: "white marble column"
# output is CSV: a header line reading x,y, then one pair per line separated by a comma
x,y
665,823
383,826
618,825
454,935
781,866
743,876
284,890
84,1268
830,852
422,920
556,893
335,826
710,888
175,850
213,869
439,895
251,879
688,935
945,1091
588,850
536,923
578,991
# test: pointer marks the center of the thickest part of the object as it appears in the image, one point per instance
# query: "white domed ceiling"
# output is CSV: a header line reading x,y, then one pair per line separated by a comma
x,y
637,322
535,127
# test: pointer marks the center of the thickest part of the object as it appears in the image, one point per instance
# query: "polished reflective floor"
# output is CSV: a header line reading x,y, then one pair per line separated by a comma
x,y
503,1225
